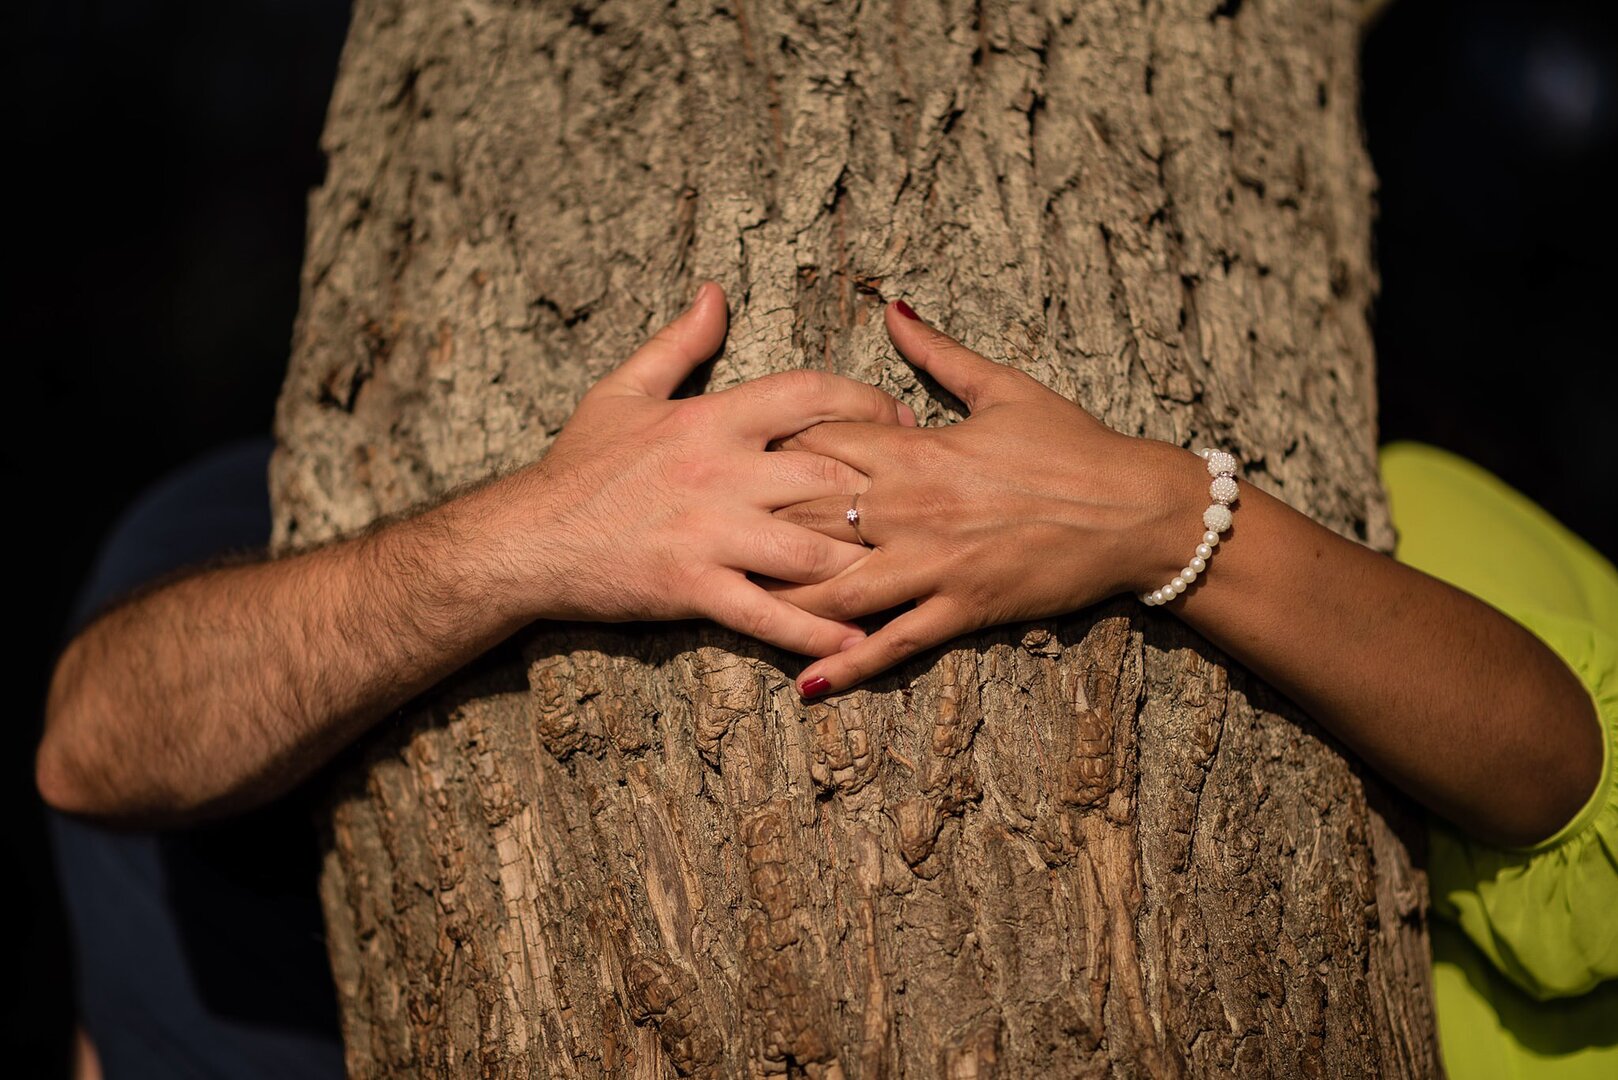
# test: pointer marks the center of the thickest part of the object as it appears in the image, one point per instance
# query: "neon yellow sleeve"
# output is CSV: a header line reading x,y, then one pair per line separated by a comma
x,y
1546,917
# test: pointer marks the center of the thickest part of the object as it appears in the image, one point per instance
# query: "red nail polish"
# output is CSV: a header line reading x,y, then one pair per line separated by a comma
x,y
815,687
906,310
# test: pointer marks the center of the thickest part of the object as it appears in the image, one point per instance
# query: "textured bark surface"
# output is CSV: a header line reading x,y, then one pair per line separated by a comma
x,y
1089,846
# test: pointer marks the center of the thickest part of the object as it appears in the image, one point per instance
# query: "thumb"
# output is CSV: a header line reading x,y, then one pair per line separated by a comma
x,y
975,379
657,368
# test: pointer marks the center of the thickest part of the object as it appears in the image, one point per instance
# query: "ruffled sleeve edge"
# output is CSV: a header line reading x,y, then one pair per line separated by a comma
x,y
1597,671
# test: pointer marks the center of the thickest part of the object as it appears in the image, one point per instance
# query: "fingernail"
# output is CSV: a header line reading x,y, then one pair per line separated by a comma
x,y
700,290
907,415
906,310
814,687
850,642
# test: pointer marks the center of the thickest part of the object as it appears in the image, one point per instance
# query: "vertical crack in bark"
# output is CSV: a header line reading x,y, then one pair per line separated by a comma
x,y
772,94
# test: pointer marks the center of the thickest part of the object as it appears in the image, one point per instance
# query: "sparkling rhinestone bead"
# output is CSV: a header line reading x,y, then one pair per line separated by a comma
x,y
1216,519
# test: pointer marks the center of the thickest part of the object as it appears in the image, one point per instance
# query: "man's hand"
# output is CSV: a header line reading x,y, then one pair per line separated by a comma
x,y
221,689
659,508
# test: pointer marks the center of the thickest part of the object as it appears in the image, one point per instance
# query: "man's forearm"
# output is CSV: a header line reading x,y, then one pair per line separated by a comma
x,y
223,689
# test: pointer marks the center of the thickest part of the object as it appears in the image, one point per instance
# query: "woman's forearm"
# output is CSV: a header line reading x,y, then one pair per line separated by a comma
x,y
1447,697
1031,507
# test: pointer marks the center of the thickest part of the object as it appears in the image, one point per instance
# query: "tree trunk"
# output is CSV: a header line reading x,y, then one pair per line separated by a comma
x,y
1084,847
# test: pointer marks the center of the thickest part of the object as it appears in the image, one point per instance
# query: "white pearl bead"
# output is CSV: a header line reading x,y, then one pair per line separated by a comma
x,y
1216,519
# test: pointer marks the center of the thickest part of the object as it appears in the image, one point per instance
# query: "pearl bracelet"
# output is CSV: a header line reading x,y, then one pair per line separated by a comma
x,y
1216,519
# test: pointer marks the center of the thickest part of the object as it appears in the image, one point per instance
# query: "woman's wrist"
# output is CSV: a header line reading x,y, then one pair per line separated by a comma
x,y
1173,495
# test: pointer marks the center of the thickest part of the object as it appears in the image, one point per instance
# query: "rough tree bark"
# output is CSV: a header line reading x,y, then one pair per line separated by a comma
x,y
1089,846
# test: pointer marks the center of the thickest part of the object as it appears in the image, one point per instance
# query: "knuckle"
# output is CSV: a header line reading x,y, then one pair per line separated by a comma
x,y
692,581
900,643
844,599
800,553
948,346
994,373
799,442
846,477
756,620
822,471
790,469
976,593
691,471
688,415
935,507
796,514
826,472
670,336
802,380
693,414
796,384
925,455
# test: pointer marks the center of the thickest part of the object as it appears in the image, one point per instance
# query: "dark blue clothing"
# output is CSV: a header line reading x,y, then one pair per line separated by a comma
x,y
198,952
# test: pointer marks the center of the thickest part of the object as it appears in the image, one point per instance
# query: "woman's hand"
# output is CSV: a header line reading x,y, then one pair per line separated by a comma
x,y
1030,507
651,508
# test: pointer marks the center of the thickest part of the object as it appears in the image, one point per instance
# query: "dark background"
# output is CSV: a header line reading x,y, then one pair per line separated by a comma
x,y
165,152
